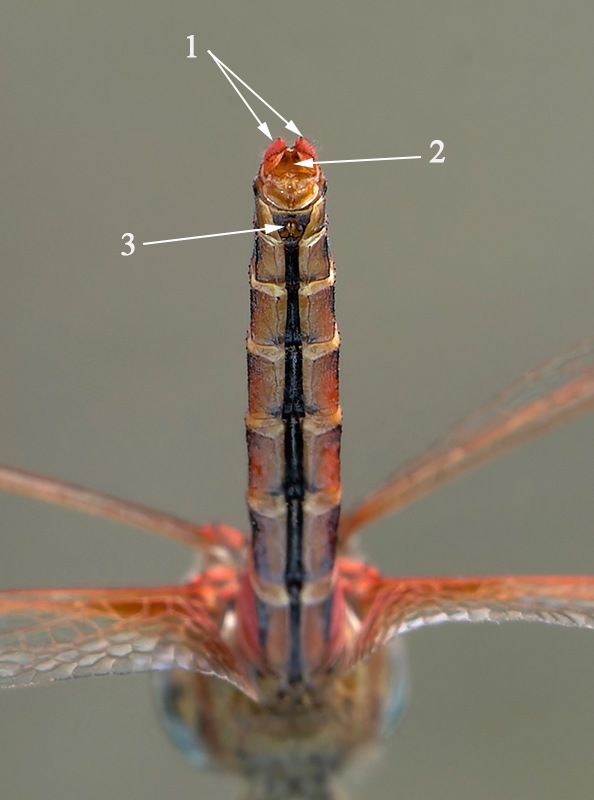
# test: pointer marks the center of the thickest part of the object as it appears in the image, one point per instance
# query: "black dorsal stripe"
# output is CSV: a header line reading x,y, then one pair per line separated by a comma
x,y
294,482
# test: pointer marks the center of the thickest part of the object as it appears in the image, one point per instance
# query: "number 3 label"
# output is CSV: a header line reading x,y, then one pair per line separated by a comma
x,y
129,243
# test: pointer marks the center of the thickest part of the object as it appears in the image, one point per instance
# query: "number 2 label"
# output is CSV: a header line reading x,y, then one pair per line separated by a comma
x,y
440,147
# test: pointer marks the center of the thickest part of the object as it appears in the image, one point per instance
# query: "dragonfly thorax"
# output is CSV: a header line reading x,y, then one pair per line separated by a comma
x,y
293,744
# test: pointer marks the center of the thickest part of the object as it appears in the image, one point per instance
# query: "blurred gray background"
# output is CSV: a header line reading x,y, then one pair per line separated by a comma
x,y
128,375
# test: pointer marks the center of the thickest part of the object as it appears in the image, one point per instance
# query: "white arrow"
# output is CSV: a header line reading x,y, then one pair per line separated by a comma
x,y
266,229
262,126
309,162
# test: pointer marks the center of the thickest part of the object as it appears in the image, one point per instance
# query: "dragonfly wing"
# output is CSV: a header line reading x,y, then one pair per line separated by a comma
x,y
541,399
55,634
390,606
52,490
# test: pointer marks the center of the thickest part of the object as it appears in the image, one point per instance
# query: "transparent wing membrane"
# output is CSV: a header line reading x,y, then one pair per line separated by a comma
x,y
395,605
540,400
52,490
55,634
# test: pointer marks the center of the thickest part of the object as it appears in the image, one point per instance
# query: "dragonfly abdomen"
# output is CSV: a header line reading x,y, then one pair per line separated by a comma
x,y
294,420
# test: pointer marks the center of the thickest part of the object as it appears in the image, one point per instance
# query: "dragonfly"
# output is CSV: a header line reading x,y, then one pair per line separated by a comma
x,y
282,658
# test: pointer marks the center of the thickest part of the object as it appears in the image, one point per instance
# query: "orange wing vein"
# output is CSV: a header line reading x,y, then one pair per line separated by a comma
x,y
56,634
395,605
52,490
541,399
